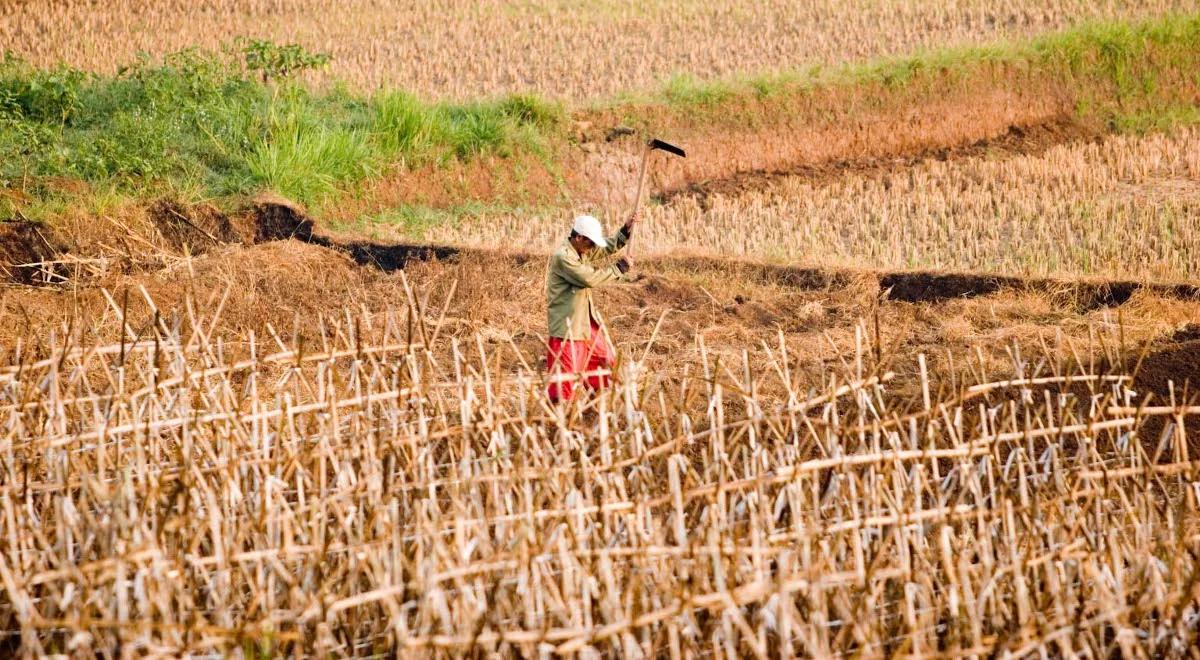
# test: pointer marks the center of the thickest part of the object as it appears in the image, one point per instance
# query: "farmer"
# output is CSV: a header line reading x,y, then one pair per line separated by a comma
x,y
577,343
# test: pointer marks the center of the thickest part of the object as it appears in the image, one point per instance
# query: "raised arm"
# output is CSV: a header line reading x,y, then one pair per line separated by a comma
x,y
582,275
621,238
615,243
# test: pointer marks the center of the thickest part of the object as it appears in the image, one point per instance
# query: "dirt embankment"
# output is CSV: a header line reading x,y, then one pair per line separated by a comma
x,y
830,132
748,141
82,249
280,271
35,254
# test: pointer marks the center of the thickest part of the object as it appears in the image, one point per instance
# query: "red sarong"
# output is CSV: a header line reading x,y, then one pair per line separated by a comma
x,y
566,358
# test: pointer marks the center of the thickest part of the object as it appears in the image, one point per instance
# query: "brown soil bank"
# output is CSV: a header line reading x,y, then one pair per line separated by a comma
x,y
1177,362
1023,100
24,248
172,230
842,129
746,142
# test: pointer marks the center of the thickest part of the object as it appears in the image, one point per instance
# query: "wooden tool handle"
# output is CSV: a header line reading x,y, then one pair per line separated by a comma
x,y
637,200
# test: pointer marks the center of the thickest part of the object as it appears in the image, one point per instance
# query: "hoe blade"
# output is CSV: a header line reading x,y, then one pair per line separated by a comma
x,y
668,147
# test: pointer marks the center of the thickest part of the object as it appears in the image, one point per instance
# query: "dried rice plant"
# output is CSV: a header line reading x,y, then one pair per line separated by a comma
x,y
383,491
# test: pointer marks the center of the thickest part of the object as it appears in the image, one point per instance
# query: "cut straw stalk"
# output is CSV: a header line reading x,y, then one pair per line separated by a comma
x,y
201,493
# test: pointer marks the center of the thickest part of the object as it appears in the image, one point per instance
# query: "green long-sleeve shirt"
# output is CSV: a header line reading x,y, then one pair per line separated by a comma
x,y
569,283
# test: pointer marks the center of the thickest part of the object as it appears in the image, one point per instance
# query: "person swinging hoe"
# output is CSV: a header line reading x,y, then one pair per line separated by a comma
x,y
578,347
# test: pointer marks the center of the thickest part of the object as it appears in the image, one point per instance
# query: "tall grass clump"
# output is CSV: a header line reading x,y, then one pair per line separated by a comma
x,y
306,163
412,130
403,124
235,121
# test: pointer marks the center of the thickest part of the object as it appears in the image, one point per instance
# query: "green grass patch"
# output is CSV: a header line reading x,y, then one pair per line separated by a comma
x,y
234,122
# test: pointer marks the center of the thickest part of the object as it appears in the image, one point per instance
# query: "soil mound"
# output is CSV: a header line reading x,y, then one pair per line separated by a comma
x,y
1179,362
194,229
200,227
278,220
167,226
932,287
22,244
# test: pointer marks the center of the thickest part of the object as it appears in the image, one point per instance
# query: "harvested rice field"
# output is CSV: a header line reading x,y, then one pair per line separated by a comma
x,y
904,349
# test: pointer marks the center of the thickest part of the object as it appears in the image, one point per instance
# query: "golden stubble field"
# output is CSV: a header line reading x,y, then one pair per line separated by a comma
x,y
273,449
577,51
375,481
275,441
1112,207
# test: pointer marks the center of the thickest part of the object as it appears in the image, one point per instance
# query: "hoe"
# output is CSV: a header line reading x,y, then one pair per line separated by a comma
x,y
653,144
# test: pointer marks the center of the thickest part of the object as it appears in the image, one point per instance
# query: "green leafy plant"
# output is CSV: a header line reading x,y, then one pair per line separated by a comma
x,y
275,62
38,95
